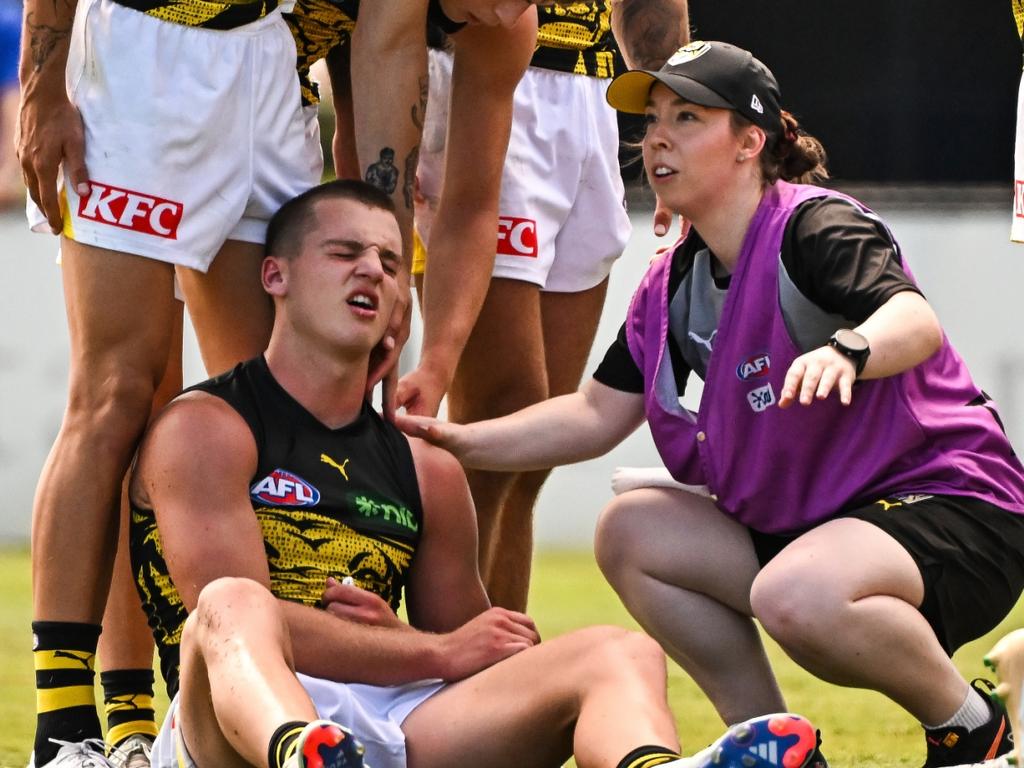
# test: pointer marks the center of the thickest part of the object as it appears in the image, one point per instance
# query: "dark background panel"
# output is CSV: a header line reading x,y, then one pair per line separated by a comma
x,y
897,90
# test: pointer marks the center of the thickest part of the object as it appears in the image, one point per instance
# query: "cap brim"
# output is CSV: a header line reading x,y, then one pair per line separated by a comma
x,y
630,92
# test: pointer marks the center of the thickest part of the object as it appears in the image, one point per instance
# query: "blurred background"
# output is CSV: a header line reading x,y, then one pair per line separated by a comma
x,y
915,102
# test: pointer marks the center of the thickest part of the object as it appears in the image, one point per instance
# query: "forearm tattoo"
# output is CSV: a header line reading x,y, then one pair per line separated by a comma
x,y
652,30
383,174
43,40
412,160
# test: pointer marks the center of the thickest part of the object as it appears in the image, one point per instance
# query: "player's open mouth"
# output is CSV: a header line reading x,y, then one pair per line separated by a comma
x,y
663,171
364,303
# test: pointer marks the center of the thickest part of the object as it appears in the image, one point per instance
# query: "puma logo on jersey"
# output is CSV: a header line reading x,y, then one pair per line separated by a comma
x,y
703,342
132,210
331,462
887,505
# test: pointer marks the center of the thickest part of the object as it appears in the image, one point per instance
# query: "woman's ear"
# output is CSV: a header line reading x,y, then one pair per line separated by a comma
x,y
752,142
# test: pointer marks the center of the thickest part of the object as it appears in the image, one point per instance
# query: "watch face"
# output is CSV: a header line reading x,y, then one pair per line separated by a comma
x,y
852,340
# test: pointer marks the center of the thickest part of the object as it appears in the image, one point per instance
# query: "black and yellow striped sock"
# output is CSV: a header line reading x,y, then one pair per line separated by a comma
x,y
128,704
284,742
648,757
64,654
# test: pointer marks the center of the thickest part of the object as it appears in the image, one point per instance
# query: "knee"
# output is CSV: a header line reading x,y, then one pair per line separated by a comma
x,y
617,542
795,604
615,653
111,401
223,607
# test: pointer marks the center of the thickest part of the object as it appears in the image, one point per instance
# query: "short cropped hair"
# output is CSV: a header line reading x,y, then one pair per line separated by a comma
x,y
294,219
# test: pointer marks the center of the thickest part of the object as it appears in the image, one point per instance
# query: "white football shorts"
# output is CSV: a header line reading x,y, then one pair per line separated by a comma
x,y
562,218
192,136
374,714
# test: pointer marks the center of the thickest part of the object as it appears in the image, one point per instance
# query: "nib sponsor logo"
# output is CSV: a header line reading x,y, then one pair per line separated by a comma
x,y
517,237
282,488
136,211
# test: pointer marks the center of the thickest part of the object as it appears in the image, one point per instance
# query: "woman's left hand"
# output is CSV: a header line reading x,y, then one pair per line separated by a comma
x,y
814,375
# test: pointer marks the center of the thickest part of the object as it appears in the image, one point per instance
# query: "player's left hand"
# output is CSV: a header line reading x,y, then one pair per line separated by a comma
x,y
350,602
814,375
384,357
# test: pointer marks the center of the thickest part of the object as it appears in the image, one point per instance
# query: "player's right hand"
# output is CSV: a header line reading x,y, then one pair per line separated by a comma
x,y
50,132
495,634
353,603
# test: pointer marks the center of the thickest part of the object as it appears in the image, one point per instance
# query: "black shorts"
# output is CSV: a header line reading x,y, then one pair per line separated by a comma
x,y
970,554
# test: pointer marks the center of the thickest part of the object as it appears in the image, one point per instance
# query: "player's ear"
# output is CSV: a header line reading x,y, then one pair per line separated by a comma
x,y
274,275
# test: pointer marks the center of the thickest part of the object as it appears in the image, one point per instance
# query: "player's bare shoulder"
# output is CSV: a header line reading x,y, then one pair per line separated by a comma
x,y
195,433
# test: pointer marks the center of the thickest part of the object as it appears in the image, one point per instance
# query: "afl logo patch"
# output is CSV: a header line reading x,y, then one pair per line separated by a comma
x,y
754,367
694,50
283,488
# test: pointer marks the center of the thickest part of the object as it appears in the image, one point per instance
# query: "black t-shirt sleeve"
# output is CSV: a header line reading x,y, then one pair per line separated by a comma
x,y
843,259
618,369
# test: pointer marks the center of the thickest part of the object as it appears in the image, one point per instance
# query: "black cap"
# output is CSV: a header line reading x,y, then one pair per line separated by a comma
x,y
711,74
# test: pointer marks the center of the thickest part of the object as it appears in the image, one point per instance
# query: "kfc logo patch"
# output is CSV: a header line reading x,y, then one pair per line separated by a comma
x,y
136,211
517,237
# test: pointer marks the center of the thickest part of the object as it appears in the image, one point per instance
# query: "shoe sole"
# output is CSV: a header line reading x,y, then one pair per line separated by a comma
x,y
1006,659
772,741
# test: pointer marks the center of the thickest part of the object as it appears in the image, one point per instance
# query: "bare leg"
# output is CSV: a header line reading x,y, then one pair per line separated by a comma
x,y
525,347
501,370
684,571
568,323
598,692
231,312
238,679
842,601
120,317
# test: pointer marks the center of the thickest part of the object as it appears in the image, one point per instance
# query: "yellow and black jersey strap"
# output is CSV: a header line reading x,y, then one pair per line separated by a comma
x,y
204,13
577,39
1018,16
318,27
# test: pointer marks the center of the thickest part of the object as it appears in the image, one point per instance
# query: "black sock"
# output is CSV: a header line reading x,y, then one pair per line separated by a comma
x,y
284,742
64,653
128,703
648,757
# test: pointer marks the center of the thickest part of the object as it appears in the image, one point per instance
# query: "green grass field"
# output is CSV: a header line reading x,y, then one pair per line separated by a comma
x,y
860,728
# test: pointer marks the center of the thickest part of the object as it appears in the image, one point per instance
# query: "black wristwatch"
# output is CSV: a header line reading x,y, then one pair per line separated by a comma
x,y
852,345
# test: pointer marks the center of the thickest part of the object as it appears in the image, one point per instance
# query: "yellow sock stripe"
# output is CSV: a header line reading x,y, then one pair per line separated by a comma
x,y
62,659
50,699
290,740
649,761
118,733
128,702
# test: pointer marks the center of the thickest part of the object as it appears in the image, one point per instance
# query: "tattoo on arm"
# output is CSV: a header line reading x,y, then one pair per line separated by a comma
x,y
412,160
43,40
651,30
383,174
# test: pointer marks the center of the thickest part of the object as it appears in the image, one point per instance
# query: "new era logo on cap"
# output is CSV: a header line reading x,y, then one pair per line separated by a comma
x,y
755,104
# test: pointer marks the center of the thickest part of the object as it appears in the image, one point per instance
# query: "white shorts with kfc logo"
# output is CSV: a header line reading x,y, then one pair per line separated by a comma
x,y
563,220
192,136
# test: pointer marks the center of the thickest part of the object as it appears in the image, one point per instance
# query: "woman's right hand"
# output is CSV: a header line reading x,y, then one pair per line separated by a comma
x,y
443,434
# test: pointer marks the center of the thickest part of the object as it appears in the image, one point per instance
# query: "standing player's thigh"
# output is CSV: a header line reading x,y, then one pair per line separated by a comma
x,y
229,309
502,366
569,324
680,539
121,315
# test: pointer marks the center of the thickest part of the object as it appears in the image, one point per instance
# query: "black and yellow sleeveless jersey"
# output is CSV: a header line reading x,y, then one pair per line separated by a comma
x,y
342,502
209,14
577,38
1018,16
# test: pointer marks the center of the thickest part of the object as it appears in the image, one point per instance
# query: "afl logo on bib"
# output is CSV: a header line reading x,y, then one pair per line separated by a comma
x,y
754,367
694,50
283,488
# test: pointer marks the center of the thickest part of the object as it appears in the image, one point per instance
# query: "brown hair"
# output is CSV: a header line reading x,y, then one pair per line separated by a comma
x,y
791,154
